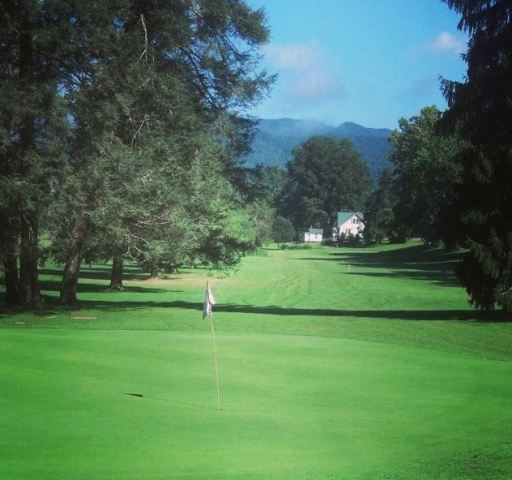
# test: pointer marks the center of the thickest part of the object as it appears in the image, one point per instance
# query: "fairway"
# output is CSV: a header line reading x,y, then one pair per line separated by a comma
x,y
334,364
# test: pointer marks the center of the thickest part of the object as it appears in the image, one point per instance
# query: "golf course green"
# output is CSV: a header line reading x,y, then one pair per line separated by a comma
x,y
334,363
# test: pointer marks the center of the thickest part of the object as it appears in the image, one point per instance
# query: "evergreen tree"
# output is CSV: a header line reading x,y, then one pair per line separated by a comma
x,y
46,47
481,107
264,184
261,216
158,117
102,99
30,120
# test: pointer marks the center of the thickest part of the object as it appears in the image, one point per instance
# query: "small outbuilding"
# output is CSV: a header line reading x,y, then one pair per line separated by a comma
x,y
313,235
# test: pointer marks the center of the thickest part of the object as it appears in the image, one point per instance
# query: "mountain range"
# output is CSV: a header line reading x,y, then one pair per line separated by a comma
x,y
275,140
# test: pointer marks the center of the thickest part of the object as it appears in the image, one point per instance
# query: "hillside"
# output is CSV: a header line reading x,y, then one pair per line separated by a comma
x,y
275,140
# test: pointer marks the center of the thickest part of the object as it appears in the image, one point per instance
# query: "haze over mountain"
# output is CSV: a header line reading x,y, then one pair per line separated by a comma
x,y
275,140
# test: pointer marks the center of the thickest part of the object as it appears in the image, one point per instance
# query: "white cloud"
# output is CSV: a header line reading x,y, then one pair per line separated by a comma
x,y
308,73
294,57
446,42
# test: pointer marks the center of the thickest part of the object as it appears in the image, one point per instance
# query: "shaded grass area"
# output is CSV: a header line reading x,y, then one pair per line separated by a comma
x,y
274,310
335,363
99,272
418,262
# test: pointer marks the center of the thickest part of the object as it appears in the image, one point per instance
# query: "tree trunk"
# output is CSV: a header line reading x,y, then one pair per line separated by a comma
x,y
72,267
29,294
153,270
9,241
29,283
12,289
116,278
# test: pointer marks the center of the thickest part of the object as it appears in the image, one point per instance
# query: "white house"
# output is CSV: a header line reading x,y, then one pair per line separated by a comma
x,y
348,223
313,235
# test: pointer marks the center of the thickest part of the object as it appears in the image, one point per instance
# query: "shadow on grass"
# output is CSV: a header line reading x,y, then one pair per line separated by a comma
x,y
416,256
418,262
52,307
377,314
413,315
99,273
54,286
435,276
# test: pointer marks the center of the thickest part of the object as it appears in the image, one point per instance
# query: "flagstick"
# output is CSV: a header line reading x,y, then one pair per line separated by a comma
x,y
215,362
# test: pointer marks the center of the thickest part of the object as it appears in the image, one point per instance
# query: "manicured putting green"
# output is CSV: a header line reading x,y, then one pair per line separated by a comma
x,y
292,405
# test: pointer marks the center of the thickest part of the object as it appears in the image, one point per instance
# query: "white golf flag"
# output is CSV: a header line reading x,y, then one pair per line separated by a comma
x,y
209,301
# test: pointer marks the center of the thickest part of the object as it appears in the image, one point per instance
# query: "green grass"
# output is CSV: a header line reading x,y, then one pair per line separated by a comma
x,y
334,364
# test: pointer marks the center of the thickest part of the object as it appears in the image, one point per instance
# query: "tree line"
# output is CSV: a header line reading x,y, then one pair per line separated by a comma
x,y
120,124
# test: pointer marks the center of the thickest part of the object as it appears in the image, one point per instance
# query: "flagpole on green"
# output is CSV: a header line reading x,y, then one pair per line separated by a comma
x,y
215,362
209,301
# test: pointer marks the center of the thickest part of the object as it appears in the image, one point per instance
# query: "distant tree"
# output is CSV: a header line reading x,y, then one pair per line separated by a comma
x,y
282,230
325,176
378,215
261,217
424,175
260,191
264,184
481,108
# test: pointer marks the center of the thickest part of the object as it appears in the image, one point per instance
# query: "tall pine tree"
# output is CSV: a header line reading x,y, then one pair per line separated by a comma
x,y
482,108
34,38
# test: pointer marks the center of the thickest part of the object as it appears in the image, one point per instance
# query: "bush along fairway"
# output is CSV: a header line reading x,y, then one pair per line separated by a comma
x,y
334,363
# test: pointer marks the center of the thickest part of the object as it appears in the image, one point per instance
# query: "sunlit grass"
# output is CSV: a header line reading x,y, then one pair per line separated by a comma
x,y
334,363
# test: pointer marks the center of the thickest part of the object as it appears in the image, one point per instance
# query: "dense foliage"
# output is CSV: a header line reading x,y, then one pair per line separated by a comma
x,y
481,108
120,124
282,230
424,175
379,215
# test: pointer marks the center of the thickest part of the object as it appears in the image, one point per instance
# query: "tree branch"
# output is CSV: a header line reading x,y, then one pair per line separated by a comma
x,y
145,51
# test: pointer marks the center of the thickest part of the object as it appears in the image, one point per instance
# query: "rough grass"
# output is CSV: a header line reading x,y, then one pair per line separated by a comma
x,y
335,363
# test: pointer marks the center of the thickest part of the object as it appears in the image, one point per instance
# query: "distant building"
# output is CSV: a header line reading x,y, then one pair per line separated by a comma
x,y
313,235
348,223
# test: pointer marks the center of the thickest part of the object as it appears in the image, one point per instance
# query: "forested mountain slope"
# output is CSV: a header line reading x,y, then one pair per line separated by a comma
x,y
275,140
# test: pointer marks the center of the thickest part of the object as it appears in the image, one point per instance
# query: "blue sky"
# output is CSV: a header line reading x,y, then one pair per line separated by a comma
x,y
364,61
